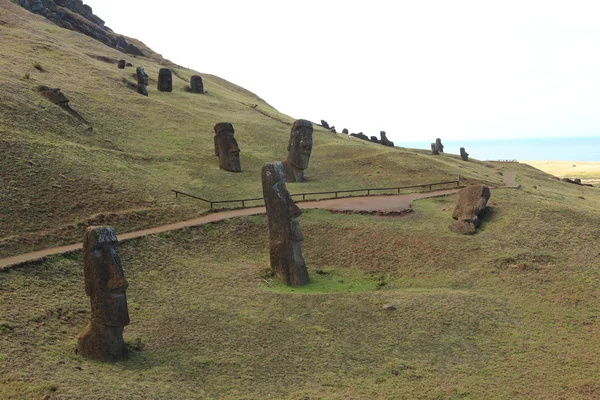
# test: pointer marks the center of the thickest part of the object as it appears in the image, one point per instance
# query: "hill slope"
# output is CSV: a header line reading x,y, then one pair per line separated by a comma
x,y
58,175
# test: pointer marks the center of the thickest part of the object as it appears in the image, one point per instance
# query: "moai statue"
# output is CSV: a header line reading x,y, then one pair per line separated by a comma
x,y
439,147
121,64
299,149
142,77
463,154
165,80
324,124
345,131
196,84
226,147
384,140
434,150
105,284
285,236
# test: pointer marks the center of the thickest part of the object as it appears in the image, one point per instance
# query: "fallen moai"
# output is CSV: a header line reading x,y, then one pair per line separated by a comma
x,y
576,181
299,150
142,78
57,97
463,154
360,135
165,80
285,236
105,284
226,147
470,208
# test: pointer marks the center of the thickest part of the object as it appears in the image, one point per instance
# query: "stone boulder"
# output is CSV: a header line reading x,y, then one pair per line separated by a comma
x,y
470,208
165,80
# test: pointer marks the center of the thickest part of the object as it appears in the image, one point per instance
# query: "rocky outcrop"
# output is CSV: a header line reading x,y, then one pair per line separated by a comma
x,y
76,16
470,208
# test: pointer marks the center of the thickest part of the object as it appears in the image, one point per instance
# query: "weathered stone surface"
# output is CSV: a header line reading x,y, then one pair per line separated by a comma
x,y
439,146
374,139
470,208
105,284
226,147
360,135
196,84
324,124
285,236
384,140
434,150
142,78
463,154
165,80
299,150
332,129
345,131
121,64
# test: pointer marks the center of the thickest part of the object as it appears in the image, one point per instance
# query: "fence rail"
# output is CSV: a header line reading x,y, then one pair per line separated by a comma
x,y
334,192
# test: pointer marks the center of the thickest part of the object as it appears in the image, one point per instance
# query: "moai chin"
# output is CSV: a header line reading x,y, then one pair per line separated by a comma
x,y
299,150
439,147
105,284
196,84
226,147
285,236
463,154
142,77
165,80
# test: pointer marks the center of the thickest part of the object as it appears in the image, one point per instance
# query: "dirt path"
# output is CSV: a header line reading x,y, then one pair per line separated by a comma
x,y
385,204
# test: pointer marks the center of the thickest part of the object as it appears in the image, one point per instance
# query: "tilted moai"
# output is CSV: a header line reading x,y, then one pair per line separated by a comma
x,y
384,140
226,147
105,284
434,150
196,84
142,77
121,64
463,154
165,80
324,124
439,147
285,236
299,150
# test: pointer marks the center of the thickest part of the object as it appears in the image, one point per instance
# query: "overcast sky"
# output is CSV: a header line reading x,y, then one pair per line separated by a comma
x,y
416,69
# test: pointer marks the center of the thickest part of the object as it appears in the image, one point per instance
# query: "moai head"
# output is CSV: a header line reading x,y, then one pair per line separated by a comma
x,y
226,147
121,64
285,235
434,150
439,146
196,84
105,282
463,154
300,144
165,80
142,78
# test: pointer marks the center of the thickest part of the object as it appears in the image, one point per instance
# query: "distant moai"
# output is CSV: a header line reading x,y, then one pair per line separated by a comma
x,y
196,84
463,154
384,140
142,77
165,80
374,139
471,206
324,124
121,64
299,150
285,236
105,284
226,147
439,147
434,150
345,131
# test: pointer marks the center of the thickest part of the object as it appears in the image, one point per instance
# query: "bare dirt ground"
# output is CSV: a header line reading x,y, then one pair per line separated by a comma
x,y
384,204
588,172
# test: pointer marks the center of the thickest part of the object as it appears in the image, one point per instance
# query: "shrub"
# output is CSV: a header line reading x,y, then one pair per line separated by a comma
x,y
38,66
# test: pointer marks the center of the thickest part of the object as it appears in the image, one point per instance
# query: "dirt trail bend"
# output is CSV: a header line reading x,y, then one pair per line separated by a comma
x,y
384,204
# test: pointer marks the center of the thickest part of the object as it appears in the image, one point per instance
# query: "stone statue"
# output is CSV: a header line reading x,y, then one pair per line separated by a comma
x,y
299,149
196,84
439,147
345,131
121,64
165,80
324,124
226,147
384,140
142,77
105,284
471,206
285,236
434,150
463,154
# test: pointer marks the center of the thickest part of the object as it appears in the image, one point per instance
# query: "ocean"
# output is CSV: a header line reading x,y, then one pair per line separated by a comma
x,y
554,149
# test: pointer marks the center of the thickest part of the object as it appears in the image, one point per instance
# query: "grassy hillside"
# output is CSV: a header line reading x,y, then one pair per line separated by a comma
x,y
509,313
59,176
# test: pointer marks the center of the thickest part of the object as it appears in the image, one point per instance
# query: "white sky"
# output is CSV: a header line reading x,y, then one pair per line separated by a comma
x,y
416,69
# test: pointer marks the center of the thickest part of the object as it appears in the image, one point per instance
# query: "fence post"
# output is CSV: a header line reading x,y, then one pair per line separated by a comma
x,y
243,204
211,204
336,195
368,192
430,188
303,196
176,194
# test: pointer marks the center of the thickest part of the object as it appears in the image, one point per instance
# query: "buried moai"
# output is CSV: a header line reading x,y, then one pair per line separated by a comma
x,y
196,84
105,284
439,147
471,206
299,150
165,80
226,147
142,78
434,150
463,154
121,64
384,140
285,236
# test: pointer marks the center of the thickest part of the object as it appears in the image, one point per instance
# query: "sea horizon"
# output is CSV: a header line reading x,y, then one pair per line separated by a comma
x,y
582,149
